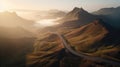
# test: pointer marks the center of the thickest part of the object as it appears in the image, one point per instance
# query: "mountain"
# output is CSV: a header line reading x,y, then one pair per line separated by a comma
x,y
15,44
15,33
72,20
92,34
13,51
110,15
93,39
107,11
77,17
16,39
77,13
95,33
11,19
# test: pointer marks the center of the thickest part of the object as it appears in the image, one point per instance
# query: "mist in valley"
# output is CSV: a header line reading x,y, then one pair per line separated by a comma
x,y
59,33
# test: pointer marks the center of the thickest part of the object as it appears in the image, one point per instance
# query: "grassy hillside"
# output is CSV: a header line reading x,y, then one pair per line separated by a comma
x,y
93,39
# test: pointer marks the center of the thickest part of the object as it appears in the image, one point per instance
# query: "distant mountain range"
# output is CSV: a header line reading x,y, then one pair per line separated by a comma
x,y
78,17
40,15
50,14
110,16
107,11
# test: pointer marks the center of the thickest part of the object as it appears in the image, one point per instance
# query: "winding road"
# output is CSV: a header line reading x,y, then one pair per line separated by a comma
x,y
66,44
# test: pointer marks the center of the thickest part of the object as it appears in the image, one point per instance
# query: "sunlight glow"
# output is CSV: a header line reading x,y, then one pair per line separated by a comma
x,y
3,8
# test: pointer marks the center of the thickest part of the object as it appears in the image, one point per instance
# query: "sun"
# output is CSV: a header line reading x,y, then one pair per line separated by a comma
x,y
2,9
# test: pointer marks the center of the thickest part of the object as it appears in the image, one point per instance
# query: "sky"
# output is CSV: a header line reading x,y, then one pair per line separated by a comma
x,y
90,5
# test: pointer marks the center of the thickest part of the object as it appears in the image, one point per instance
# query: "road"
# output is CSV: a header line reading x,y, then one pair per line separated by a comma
x,y
66,44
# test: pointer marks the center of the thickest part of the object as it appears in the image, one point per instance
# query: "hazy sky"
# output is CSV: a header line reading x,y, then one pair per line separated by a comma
x,y
90,5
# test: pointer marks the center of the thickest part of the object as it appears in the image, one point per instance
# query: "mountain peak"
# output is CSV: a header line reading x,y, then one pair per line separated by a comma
x,y
80,10
78,14
76,8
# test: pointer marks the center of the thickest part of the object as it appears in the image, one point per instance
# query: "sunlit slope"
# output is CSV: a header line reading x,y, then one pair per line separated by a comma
x,y
87,35
93,39
47,52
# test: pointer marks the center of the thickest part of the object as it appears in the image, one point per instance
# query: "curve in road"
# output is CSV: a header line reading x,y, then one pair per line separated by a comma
x,y
68,47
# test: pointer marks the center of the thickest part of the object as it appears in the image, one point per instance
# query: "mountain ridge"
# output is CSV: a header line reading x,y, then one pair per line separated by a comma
x,y
94,37
110,16
77,17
